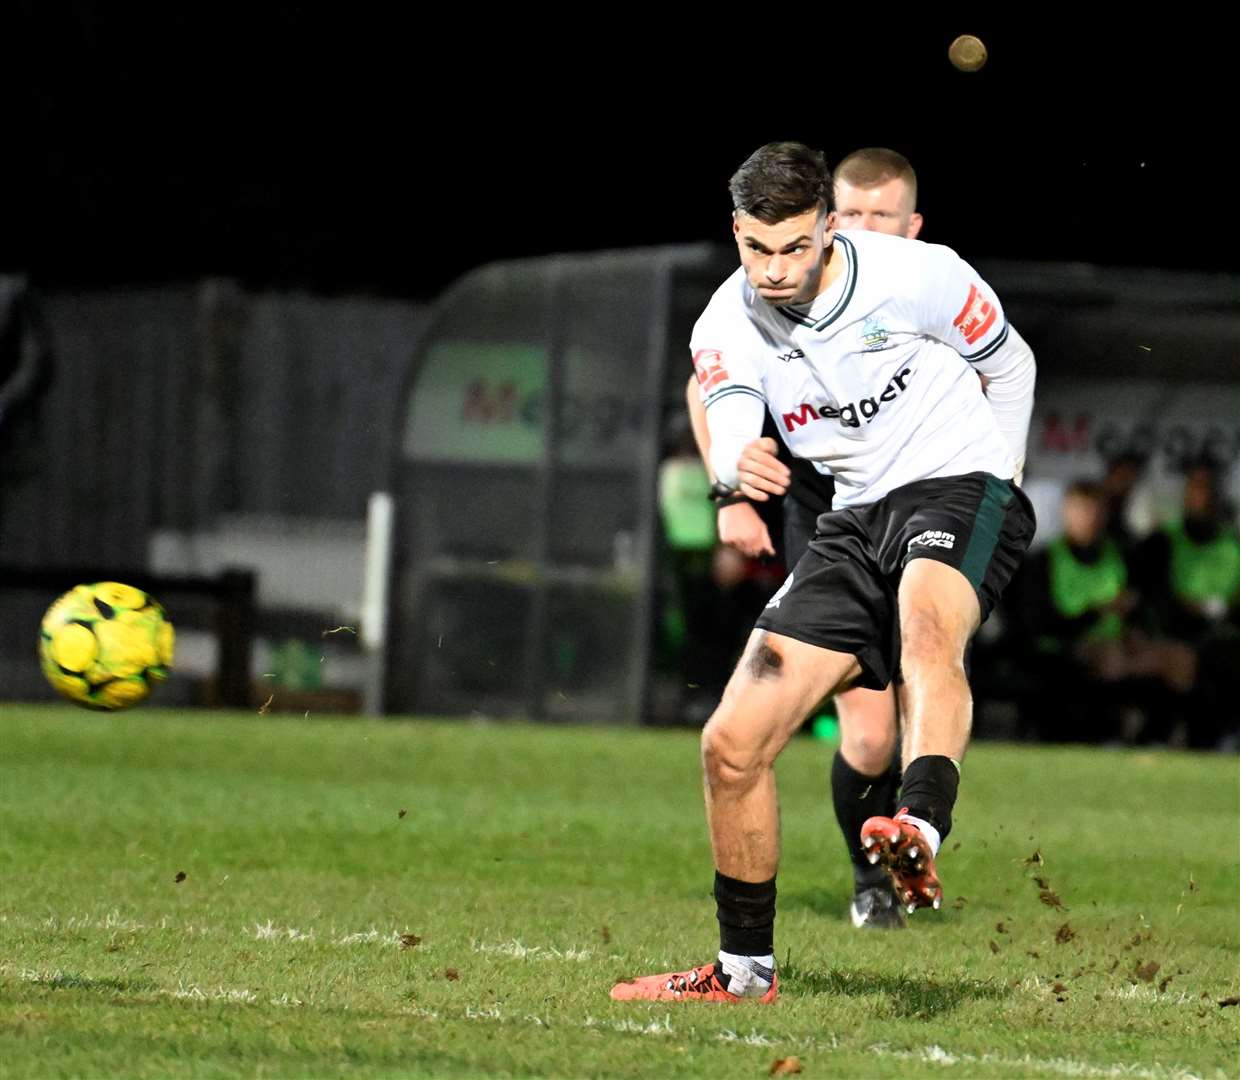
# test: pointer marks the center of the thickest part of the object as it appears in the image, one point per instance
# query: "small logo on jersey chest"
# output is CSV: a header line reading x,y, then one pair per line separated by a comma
x,y
788,357
874,335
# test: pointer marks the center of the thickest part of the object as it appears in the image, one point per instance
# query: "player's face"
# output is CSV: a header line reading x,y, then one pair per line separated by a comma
x,y
887,208
784,261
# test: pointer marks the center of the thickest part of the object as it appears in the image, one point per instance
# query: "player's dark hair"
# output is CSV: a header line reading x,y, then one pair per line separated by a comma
x,y
781,180
876,165
1085,488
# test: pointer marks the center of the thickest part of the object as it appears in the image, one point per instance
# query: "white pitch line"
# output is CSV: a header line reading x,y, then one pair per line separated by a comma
x,y
31,976
271,931
268,931
285,1001
930,1055
754,1038
194,992
518,951
113,920
1150,995
370,937
936,1055
183,992
632,1027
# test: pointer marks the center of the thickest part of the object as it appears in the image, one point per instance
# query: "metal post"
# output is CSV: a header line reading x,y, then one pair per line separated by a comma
x,y
376,598
637,690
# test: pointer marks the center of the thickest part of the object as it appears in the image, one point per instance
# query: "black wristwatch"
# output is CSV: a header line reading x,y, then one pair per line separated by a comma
x,y
722,495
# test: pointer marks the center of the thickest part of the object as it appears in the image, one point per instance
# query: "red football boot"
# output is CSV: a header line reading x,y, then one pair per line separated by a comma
x,y
906,854
700,984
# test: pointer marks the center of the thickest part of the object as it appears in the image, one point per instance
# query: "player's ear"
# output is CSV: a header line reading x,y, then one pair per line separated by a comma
x,y
736,224
914,226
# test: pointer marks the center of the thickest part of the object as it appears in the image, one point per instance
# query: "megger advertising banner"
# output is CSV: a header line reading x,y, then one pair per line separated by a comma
x,y
489,404
1080,425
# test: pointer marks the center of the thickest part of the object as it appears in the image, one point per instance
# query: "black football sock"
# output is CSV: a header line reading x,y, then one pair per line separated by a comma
x,y
857,798
746,913
929,791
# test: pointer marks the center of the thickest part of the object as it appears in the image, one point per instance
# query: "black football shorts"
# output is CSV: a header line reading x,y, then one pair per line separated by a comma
x,y
841,595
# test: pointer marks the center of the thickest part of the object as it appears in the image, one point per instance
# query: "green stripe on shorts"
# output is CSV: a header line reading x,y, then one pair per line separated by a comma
x,y
995,500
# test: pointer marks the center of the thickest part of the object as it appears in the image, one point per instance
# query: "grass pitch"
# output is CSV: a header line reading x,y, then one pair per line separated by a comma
x,y
210,895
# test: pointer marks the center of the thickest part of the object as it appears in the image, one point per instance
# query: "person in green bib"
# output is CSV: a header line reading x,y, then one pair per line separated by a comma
x,y
1088,665
709,595
1188,573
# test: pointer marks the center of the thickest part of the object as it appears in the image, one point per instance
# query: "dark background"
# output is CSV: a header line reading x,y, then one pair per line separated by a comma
x,y
351,147
242,225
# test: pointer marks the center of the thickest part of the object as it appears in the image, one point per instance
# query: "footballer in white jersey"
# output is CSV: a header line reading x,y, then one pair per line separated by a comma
x,y
872,380
863,347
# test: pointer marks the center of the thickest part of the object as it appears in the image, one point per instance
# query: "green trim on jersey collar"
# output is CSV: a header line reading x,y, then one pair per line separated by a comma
x,y
850,286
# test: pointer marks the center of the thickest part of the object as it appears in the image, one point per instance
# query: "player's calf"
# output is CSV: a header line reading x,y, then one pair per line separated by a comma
x,y
745,967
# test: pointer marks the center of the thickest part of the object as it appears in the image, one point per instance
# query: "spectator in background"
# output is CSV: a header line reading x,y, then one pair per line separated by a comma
x,y
1072,611
1123,473
1188,573
713,596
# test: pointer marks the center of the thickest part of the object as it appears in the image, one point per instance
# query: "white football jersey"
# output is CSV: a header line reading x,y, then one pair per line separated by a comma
x,y
875,381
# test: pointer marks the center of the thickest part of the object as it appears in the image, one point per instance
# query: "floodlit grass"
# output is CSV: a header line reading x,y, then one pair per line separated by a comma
x,y
209,895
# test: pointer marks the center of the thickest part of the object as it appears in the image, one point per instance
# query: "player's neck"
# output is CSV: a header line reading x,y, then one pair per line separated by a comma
x,y
833,269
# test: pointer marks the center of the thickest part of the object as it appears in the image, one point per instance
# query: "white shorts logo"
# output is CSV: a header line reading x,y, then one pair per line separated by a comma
x,y
933,538
783,589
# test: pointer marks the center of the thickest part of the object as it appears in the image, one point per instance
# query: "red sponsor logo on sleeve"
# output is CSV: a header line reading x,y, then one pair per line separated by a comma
x,y
976,317
708,363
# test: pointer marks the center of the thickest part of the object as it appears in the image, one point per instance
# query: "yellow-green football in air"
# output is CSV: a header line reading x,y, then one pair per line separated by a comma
x,y
104,645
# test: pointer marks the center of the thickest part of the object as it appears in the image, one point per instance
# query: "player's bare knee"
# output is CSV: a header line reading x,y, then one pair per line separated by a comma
x,y
727,760
870,753
869,730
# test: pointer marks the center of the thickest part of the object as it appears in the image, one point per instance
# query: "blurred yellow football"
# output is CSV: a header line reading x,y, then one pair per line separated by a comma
x,y
967,53
104,645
